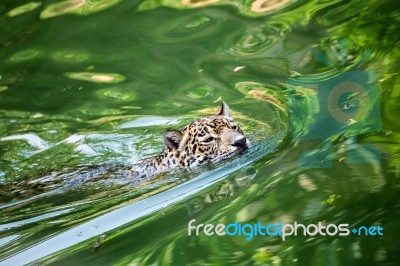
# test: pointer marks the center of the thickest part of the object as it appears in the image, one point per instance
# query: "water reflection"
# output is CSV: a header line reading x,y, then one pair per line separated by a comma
x,y
93,111
70,56
96,77
229,188
254,41
196,3
261,6
23,9
79,7
25,55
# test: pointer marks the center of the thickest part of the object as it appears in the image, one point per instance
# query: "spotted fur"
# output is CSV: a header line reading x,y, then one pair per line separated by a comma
x,y
209,139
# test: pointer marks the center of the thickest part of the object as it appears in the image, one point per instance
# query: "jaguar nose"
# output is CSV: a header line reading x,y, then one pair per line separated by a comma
x,y
241,143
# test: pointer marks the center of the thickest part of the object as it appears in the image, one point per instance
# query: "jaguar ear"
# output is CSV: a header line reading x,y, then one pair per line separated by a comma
x,y
225,111
172,138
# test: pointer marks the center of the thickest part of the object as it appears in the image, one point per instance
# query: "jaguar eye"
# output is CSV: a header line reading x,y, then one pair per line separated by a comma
x,y
209,139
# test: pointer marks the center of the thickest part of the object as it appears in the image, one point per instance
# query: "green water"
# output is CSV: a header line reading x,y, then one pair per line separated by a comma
x,y
88,87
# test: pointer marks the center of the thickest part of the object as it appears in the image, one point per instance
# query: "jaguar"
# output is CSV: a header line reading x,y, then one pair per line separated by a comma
x,y
208,139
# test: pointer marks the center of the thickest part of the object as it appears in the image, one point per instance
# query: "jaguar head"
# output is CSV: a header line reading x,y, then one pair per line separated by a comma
x,y
209,139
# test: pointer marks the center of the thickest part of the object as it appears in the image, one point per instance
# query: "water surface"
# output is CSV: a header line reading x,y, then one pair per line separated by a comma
x,y
88,87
